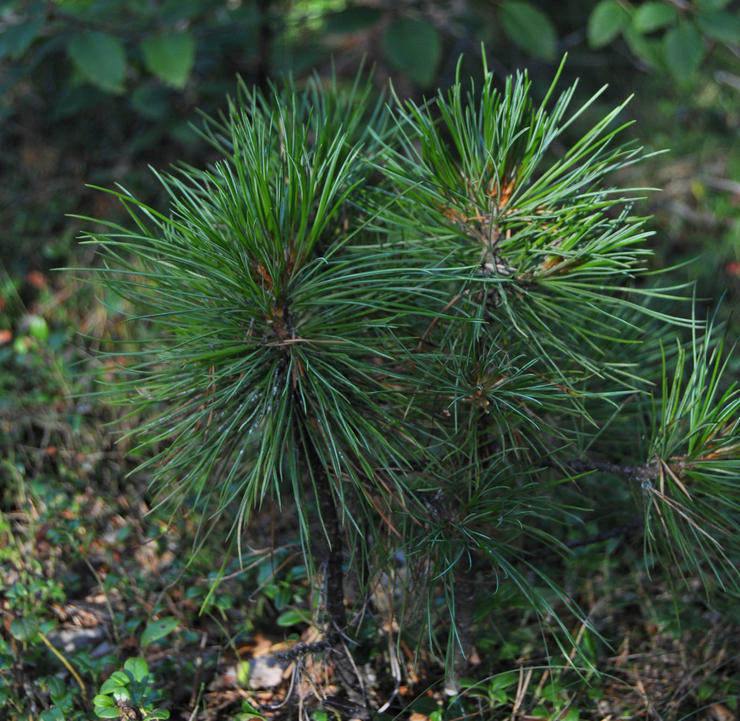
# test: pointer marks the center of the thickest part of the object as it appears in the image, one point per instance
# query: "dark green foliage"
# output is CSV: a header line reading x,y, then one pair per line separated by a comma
x,y
419,331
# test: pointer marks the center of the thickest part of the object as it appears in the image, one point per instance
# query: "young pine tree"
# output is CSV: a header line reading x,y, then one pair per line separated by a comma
x,y
430,332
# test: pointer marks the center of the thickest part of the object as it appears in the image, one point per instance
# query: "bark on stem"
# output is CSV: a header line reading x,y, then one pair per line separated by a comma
x,y
335,611
330,519
464,586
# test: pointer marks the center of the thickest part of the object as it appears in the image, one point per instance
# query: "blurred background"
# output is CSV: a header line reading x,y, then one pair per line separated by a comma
x,y
94,92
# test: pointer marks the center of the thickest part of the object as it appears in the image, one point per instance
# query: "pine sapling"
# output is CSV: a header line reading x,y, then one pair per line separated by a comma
x,y
431,332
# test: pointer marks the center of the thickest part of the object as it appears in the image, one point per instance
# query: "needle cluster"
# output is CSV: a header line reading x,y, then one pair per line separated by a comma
x,y
427,330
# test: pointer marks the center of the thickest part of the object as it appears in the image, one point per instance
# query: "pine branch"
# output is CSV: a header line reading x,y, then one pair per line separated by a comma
x,y
643,473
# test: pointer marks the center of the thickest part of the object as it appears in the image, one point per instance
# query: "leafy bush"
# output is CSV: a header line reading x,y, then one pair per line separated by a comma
x,y
145,49
670,36
429,333
129,692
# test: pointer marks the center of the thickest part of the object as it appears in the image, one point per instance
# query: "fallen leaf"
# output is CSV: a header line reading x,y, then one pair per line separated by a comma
x,y
718,712
36,279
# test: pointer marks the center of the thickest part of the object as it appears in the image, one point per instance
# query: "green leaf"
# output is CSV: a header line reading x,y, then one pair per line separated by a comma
x,y
683,50
242,674
113,684
719,25
414,47
100,58
170,57
529,28
158,713
104,712
606,21
158,629
38,328
57,689
16,39
24,629
52,714
711,4
351,20
137,667
103,701
503,680
649,50
290,618
122,693
653,15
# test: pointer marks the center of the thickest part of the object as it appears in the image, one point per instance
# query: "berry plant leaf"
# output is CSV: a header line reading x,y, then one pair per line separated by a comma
x,y
605,22
414,46
652,16
683,48
101,59
156,630
529,28
170,57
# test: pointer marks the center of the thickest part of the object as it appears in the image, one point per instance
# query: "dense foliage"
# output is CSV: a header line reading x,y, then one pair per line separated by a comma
x,y
432,338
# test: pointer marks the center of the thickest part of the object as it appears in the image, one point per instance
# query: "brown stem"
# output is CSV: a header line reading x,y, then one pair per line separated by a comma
x,y
330,520
645,472
464,585
337,616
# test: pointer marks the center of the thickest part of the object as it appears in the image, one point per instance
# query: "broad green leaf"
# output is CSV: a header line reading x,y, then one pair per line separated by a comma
x,y
653,15
414,47
104,712
170,57
15,39
112,684
649,50
57,689
52,714
719,25
529,28
683,49
103,701
503,680
290,618
158,713
137,667
605,23
158,629
24,629
100,58
122,693
351,20
711,4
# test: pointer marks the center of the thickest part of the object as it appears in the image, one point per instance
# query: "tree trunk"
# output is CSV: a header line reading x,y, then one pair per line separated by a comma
x,y
464,586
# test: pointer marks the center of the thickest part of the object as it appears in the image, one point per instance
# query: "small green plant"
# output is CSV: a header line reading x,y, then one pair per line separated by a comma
x,y
673,37
129,693
430,333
